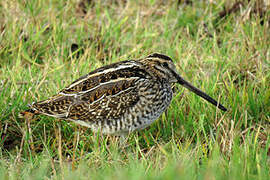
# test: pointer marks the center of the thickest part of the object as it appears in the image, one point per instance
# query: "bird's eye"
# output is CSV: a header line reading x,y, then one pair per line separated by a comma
x,y
165,64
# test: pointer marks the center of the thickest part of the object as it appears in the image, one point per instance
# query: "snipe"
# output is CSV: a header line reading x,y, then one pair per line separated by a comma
x,y
118,98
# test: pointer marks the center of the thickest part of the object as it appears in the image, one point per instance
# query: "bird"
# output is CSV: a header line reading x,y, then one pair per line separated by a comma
x,y
119,98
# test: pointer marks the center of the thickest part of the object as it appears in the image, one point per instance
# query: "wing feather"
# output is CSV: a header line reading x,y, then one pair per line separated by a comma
x,y
103,94
107,102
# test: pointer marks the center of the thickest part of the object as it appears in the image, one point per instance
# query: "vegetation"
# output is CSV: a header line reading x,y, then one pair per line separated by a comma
x,y
221,47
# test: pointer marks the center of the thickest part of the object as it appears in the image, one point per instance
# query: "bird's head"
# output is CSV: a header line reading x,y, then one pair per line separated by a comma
x,y
164,68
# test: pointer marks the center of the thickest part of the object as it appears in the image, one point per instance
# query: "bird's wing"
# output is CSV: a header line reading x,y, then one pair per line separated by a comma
x,y
106,92
108,101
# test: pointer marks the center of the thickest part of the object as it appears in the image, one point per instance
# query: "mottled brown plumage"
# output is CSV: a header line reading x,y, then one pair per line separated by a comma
x,y
118,98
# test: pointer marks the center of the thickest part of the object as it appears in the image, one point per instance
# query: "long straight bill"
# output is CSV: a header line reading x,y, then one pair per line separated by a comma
x,y
200,93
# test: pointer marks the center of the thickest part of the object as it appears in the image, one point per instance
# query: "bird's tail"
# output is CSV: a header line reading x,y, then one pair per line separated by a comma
x,y
29,113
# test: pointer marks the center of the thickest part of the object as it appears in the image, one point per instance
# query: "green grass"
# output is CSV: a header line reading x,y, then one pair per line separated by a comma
x,y
228,58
